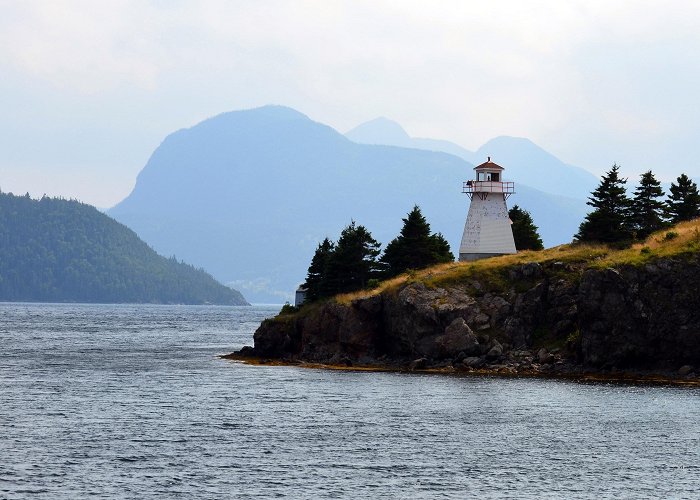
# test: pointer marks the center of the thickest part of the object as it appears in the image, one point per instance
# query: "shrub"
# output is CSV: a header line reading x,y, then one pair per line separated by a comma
x,y
372,283
671,235
288,308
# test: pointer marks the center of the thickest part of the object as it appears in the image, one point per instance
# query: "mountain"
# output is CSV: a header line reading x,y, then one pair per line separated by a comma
x,y
525,161
387,132
249,194
55,250
381,131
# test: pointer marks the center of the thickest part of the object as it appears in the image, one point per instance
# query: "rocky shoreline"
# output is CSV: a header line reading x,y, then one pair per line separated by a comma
x,y
510,367
547,319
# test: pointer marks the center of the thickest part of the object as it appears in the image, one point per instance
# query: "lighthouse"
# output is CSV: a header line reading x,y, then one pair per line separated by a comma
x,y
487,232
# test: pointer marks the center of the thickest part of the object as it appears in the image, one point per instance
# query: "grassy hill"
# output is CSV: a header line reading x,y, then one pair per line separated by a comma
x,y
679,241
55,250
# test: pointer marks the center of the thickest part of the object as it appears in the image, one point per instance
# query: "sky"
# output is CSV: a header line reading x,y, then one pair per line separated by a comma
x,y
89,89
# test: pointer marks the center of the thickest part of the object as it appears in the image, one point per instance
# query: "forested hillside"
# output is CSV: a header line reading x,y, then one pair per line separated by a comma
x,y
55,250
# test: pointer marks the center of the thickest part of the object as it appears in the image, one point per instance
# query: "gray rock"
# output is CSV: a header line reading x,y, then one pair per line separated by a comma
x,y
481,319
474,361
685,370
458,337
542,355
532,269
496,351
418,364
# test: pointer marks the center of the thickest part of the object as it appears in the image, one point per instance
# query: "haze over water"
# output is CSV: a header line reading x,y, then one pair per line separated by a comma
x,y
132,402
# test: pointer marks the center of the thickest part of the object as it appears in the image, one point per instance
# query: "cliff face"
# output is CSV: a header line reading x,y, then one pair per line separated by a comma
x,y
551,316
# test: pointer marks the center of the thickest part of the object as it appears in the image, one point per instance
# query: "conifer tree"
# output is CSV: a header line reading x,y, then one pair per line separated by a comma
x,y
415,247
353,262
684,201
647,213
609,221
524,230
316,278
441,249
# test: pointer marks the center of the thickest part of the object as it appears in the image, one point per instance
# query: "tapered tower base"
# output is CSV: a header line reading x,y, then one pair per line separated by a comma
x,y
487,232
467,257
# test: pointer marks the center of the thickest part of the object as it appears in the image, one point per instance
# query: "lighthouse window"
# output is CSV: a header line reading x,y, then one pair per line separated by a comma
x,y
482,176
494,177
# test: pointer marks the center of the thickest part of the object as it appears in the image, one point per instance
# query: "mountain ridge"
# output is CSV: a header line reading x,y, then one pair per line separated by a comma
x,y
525,161
257,190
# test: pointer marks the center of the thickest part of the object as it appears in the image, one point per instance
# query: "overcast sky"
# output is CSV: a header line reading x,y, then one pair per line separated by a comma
x,y
88,89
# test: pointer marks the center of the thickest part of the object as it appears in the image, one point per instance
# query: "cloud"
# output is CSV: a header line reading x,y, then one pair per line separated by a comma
x,y
588,80
82,45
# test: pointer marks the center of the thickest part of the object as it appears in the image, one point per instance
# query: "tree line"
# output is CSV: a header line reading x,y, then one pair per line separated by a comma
x,y
354,261
617,218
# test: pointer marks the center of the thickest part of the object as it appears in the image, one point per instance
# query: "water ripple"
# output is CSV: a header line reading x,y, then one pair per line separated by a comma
x,y
133,402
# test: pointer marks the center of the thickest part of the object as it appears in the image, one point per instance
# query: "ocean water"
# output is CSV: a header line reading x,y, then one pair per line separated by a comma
x,y
123,401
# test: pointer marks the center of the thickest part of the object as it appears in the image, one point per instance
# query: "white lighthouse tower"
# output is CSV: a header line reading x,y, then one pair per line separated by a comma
x,y
487,232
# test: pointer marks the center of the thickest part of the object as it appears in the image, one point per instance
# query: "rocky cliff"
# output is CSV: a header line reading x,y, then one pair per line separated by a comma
x,y
550,316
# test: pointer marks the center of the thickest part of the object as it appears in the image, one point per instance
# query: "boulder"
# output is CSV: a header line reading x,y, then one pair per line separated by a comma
x,y
495,352
418,364
685,370
458,337
474,361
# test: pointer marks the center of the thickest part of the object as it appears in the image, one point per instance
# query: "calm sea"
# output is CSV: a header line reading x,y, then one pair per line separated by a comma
x,y
125,401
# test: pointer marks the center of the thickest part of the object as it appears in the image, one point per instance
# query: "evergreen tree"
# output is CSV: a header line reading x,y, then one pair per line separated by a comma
x,y
609,221
316,279
415,247
684,201
353,262
441,249
524,230
647,214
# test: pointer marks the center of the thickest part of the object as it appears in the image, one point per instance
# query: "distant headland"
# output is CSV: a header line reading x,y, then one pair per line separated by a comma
x,y
576,310
56,250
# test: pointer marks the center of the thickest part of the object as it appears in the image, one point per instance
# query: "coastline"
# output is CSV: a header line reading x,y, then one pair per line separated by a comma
x,y
573,312
571,373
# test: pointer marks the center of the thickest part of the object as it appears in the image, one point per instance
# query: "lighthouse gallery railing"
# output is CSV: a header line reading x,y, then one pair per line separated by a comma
x,y
471,187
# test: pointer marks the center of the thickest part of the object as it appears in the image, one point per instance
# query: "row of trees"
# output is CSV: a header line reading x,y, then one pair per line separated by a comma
x,y
354,261
618,218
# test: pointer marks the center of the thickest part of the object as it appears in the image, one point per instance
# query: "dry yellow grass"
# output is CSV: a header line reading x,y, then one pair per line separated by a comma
x,y
657,245
687,240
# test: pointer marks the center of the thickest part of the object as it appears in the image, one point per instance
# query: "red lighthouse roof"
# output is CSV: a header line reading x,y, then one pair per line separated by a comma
x,y
488,165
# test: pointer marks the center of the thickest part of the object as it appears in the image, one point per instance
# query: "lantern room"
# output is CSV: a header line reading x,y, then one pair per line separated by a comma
x,y
489,179
488,172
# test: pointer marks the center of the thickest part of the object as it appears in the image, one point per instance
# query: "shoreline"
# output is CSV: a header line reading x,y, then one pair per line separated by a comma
x,y
577,374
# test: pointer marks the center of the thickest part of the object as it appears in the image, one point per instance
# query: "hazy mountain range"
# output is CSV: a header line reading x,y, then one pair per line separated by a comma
x,y
525,162
247,195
